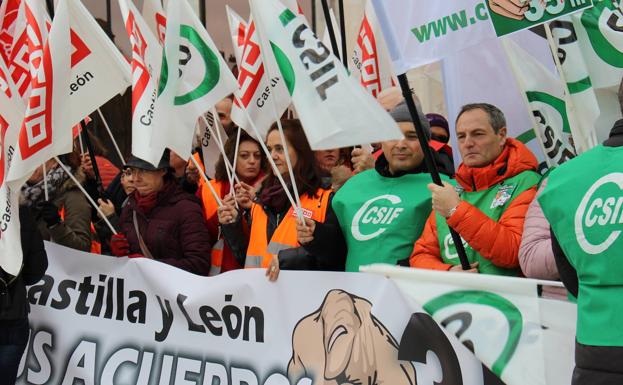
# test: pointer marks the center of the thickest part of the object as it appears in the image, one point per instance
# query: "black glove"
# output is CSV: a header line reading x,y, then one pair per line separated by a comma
x,y
49,213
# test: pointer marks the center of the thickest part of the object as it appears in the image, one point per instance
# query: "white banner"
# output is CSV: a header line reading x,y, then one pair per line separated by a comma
x,y
501,319
105,320
420,32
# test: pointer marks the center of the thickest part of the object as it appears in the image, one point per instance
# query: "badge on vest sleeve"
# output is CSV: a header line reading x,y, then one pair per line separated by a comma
x,y
505,192
306,213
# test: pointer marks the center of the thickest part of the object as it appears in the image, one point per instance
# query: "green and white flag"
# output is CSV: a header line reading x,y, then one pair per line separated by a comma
x,y
334,109
545,98
194,77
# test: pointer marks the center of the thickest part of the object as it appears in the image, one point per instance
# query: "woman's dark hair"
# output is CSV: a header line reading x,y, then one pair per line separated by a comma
x,y
306,171
220,173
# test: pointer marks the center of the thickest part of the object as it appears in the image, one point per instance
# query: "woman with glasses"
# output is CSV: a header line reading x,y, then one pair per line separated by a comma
x,y
161,221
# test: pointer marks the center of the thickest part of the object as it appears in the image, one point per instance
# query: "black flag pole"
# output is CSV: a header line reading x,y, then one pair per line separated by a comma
x,y
50,4
327,18
109,17
313,10
89,145
343,32
202,11
428,157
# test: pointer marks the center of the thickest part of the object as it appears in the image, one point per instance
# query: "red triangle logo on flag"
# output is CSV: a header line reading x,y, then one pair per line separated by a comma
x,y
80,50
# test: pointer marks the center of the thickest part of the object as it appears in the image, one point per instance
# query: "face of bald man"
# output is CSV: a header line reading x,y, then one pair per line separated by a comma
x,y
223,109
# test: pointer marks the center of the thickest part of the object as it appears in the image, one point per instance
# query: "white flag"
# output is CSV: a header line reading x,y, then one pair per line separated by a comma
x,y
209,135
11,115
30,36
326,37
334,109
264,98
545,95
195,78
46,129
370,61
8,17
98,70
146,62
238,30
153,13
419,32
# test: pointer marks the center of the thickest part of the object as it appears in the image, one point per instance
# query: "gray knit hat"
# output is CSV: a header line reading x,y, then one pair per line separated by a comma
x,y
400,113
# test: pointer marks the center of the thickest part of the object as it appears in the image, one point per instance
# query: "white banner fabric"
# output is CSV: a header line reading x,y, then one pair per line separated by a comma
x,y
501,318
105,320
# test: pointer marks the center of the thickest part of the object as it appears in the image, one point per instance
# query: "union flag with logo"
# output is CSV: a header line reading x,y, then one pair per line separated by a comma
x,y
8,17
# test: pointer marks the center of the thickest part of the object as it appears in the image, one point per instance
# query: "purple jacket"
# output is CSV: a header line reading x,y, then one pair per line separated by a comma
x,y
175,231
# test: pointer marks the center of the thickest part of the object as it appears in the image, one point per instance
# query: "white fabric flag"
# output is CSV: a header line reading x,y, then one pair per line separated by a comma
x,y
501,318
334,109
11,115
326,37
46,129
30,35
153,13
545,95
370,62
98,70
238,30
8,17
146,62
195,78
420,32
264,98
209,135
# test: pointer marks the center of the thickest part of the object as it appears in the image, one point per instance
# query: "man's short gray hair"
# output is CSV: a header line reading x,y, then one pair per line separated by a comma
x,y
496,116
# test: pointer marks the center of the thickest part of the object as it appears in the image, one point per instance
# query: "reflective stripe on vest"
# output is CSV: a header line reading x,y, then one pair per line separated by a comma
x,y
260,252
216,257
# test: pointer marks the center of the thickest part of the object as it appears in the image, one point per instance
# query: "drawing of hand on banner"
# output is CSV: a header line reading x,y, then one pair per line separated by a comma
x,y
515,9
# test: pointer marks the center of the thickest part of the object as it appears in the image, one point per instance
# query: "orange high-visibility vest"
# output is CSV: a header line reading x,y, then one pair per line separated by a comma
x,y
260,252
209,212
96,247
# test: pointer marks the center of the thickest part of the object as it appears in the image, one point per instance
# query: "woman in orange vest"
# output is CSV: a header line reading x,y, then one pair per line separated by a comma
x,y
267,235
250,169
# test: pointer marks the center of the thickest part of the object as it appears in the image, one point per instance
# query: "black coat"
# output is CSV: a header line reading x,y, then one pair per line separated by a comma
x,y
13,301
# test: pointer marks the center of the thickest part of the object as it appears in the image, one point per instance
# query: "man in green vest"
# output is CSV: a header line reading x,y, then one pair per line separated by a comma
x,y
382,211
496,183
583,202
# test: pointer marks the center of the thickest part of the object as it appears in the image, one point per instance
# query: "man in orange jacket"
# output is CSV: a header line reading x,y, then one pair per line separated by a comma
x,y
496,183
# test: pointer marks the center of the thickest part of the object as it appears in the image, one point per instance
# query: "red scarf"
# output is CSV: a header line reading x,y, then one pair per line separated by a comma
x,y
146,203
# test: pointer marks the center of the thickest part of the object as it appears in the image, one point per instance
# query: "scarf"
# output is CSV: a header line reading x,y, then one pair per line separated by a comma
x,y
146,203
274,196
32,194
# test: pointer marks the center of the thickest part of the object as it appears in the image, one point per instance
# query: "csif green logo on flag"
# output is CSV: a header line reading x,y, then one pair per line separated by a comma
x,y
195,57
316,59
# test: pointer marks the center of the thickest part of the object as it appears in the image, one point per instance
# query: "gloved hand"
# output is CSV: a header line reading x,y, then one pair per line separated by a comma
x,y
119,245
49,213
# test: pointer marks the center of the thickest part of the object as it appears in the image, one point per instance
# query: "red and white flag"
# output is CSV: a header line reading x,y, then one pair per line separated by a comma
x,y
31,32
238,29
263,98
8,17
146,62
11,115
370,62
154,16
46,128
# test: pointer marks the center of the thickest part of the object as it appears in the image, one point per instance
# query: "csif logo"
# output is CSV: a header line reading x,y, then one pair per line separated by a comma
x,y
600,213
378,212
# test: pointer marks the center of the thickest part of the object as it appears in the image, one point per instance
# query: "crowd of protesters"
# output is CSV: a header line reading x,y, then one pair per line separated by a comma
x,y
330,210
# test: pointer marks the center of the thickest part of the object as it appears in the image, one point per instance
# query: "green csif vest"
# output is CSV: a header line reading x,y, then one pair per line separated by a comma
x,y
381,218
583,202
492,202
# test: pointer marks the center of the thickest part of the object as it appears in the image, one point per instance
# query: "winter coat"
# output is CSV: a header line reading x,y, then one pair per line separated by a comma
x,y
174,231
74,231
497,241
14,304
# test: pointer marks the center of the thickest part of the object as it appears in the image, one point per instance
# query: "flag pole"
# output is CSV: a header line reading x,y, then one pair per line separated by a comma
x,y
79,185
45,182
112,138
50,4
343,33
329,24
202,12
237,147
109,17
96,170
314,21
428,158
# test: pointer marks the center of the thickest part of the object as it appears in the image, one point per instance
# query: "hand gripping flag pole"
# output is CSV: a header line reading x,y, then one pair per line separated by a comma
x,y
428,158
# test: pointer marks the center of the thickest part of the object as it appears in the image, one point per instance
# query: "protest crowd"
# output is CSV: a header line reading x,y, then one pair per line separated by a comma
x,y
249,191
